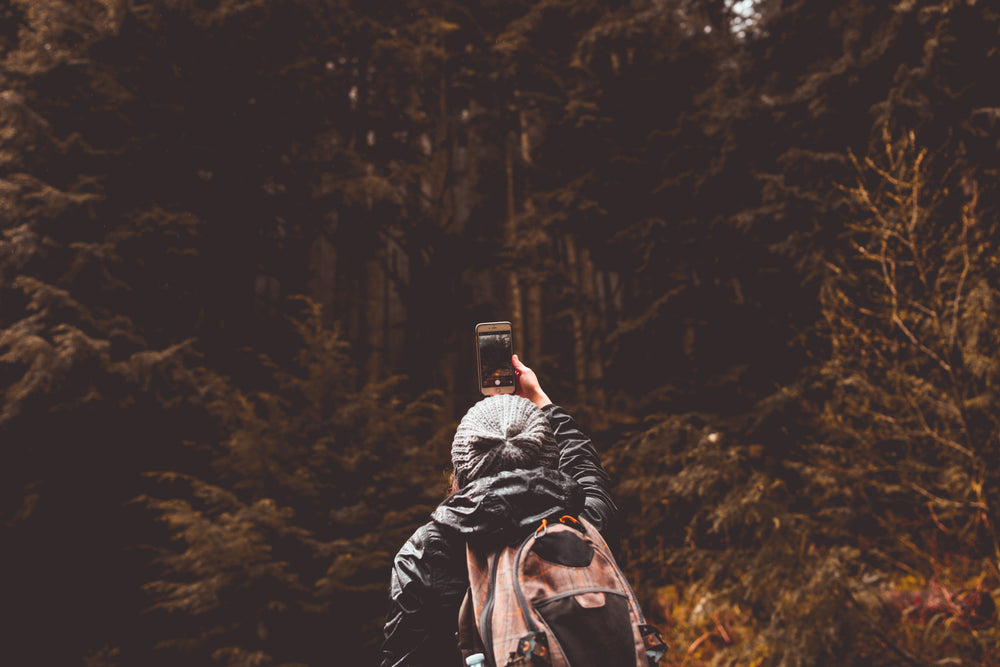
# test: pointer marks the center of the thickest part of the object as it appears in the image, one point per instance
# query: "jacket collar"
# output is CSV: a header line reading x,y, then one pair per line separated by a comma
x,y
503,508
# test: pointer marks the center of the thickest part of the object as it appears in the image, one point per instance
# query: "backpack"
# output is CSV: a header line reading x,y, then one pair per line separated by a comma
x,y
558,598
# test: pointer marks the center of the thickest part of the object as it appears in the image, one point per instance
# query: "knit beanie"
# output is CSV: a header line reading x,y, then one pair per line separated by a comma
x,y
502,432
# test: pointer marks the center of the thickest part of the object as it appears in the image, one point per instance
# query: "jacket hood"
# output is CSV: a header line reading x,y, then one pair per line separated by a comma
x,y
505,507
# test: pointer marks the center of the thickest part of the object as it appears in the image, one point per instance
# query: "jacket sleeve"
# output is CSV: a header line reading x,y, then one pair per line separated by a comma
x,y
418,631
405,623
579,460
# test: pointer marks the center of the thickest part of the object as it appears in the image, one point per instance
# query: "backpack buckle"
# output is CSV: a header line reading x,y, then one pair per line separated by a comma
x,y
572,522
532,650
656,648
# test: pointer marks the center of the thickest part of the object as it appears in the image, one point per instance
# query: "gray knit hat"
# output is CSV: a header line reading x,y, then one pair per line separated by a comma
x,y
502,432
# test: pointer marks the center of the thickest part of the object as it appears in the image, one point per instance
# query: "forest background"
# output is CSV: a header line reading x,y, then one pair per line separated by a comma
x,y
753,248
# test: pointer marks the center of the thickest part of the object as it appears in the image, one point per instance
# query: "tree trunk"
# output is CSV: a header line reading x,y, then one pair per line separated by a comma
x,y
594,361
375,309
533,345
510,239
579,337
323,281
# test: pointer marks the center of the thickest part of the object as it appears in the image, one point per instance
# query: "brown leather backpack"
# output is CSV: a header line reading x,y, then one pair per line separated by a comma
x,y
558,598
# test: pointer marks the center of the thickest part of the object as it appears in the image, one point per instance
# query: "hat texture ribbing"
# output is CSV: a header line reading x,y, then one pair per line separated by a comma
x,y
502,432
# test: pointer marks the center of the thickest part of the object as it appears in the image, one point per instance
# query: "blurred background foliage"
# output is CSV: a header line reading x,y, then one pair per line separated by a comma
x,y
752,246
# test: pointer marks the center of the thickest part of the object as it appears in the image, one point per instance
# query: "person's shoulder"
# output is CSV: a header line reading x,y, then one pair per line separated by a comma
x,y
418,541
432,560
431,541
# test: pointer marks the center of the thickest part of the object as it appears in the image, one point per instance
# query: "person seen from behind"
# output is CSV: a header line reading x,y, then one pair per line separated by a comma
x,y
517,459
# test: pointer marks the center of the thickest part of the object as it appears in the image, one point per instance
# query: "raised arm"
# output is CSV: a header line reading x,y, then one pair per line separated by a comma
x,y
579,460
577,456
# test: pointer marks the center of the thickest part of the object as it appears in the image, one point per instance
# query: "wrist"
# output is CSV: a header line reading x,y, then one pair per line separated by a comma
x,y
540,399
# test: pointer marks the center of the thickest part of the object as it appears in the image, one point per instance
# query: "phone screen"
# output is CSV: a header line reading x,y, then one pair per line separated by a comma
x,y
495,350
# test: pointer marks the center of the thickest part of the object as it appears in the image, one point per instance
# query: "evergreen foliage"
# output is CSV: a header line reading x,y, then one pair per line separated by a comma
x,y
297,525
909,415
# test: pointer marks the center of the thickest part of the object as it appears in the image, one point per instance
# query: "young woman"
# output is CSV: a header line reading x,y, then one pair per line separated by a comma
x,y
517,459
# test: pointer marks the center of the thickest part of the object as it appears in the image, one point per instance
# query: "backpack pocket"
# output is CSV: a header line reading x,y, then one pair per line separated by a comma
x,y
593,627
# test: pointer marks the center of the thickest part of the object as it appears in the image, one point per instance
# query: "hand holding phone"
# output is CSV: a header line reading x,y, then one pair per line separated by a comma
x,y
527,384
494,350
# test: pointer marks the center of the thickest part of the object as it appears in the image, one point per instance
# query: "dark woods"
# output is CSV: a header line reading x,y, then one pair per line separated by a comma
x,y
244,245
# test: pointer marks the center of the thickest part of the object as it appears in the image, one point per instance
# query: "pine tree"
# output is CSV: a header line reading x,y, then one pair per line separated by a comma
x,y
912,316
284,550
94,390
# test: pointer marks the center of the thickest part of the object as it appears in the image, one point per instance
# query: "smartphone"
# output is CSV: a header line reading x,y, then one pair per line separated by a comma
x,y
494,348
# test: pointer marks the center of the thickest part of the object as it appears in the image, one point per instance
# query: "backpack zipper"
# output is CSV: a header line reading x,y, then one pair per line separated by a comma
x,y
487,624
518,593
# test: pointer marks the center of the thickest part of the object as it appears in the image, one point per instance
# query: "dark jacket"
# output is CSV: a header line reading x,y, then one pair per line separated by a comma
x,y
429,577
